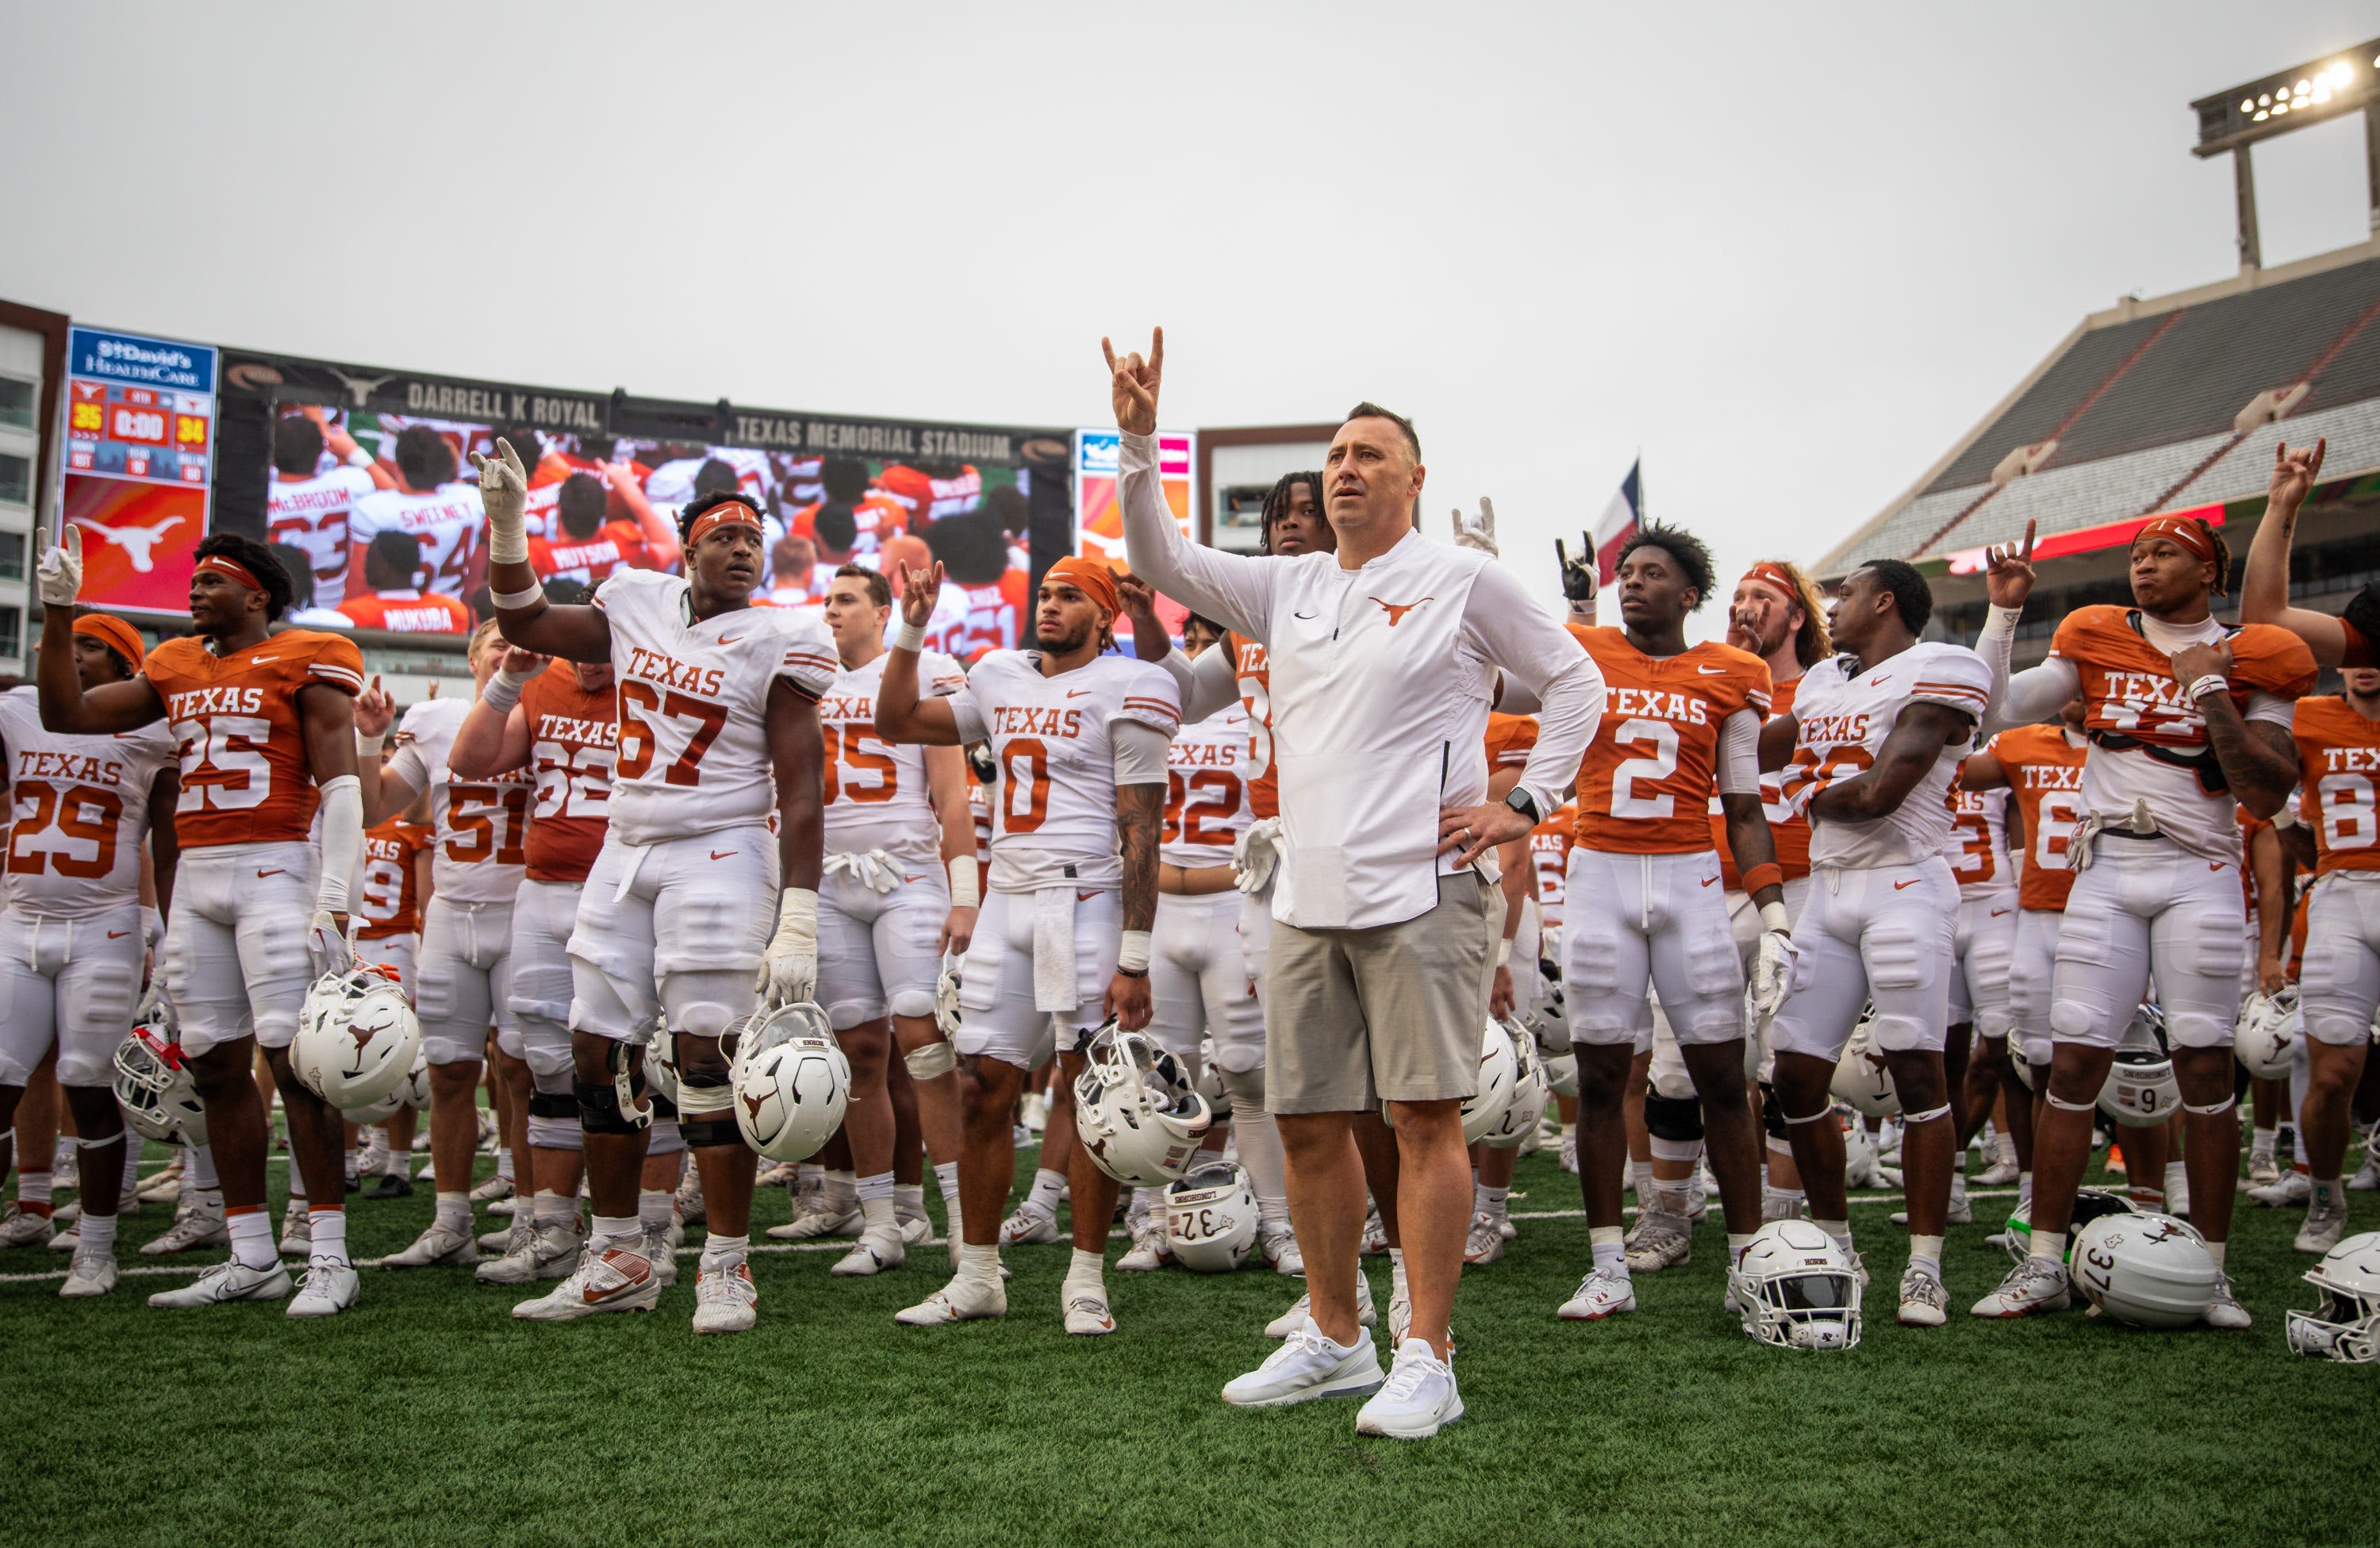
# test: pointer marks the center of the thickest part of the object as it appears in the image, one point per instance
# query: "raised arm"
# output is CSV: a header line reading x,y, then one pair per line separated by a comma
x,y
901,714
494,738
106,710
386,788
578,632
1910,748
2265,590
1230,588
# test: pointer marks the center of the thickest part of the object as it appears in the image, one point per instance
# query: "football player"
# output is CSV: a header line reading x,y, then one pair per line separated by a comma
x,y
265,723
1981,950
462,985
441,517
71,938
1643,911
307,504
1875,736
902,889
874,517
1063,939
718,734
390,891
586,547
392,598
2185,719
559,722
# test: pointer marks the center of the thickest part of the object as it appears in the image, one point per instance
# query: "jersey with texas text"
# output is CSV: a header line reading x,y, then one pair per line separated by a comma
x,y
571,735
2044,774
80,809
1206,793
246,777
876,792
2338,768
1977,850
1645,782
1255,673
1844,715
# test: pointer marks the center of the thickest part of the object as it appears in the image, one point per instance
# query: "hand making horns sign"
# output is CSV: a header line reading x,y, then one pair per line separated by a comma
x,y
1136,385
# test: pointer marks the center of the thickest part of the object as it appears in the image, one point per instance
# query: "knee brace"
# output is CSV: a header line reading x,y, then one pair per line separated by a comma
x,y
1672,1117
600,1112
932,1061
1772,1117
669,1139
702,1134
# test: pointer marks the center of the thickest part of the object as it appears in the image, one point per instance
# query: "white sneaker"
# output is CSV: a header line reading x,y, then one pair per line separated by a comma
x,y
1923,1302
439,1246
1307,1366
690,1208
91,1273
725,1301
328,1290
2263,1171
1148,1252
823,1220
1302,1310
1569,1154
1484,1243
2225,1311
162,1186
1959,1214
782,1175
372,1161
873,1253
1279,1244
1661,1240
2326,1223
1604,1292
2177,1198
1087,1313
662,1253
612,1280
193,1229
511,1238
1028,1227
2367,1177
226,1281
2295,1187
2028,1291
70,1240
21,1228
960,1300
296,1230
1419,1400
496,1187
1376,1236
548,1252
917,1227
2000,1173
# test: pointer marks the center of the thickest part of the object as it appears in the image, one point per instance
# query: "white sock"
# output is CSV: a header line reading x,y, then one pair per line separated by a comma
x,y
1490,1202
842,1192
98,1233
297,1184
251,1240
454,1212
549,1208
1047,1186
2260,1147
1087,1271
2215,1251
2024,1190
979,1265
1147,1203
504,1163
1838,1229
2177,1178
1640,1175
725,1252
2004,1148
946,1177
619,1231
202,1169
874,1194
131,1161
2049,1246
1925,1252
1736,1243
326,1235
654,1206
1610,1246
909,1198
1958,1188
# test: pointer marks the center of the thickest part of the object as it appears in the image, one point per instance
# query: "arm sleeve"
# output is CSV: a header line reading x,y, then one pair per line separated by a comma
x,y
969,718
2272,708
343,841
2035,693
1233,588
1507,626
1739,754
1206,685
1139,753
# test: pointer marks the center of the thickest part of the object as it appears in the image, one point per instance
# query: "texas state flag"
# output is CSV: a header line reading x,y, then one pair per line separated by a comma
x,y
1618,519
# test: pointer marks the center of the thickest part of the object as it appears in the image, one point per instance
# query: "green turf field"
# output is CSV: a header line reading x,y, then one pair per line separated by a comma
x,y
428,1416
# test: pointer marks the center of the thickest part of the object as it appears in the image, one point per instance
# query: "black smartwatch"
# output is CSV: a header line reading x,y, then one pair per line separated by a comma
x,y
1519,801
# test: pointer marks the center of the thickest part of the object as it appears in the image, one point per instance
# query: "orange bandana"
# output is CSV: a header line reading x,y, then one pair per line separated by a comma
x,y
1770,574
727,513
232,569
1091,578
113,633
2188,533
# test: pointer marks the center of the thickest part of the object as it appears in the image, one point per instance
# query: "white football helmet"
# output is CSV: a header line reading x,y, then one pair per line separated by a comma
x,y
1531,1090
356,1038
2090,1204
1861,1077
1211,1219
946,1002
660,1064
2140,1091
2270,1031
1210,1084
1136,1111
2149,1270
1561,1074
791,1082
412,1092
1798,1288
2345,1323
153,1086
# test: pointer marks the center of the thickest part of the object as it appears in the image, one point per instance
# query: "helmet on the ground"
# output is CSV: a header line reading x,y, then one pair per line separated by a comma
x,y
1862,1077
2149,1270
356,1038
1798,1288
2345,1323
1135,1110
154,1085
412,1092
1530,1089
1211,1219
2090,1204
2270,1030
791,1083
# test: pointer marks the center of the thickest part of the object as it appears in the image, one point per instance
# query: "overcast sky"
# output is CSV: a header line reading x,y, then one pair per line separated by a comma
x,y
1789,252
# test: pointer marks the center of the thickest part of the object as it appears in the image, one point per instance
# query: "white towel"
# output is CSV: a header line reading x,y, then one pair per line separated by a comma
x,y
1053,949
874,870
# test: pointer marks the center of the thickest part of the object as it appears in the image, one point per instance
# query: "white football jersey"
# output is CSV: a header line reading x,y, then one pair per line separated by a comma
x,y
694,704
1977,847
876,795
481,825
1843,721
80,809
447,523
1205,790
312,514
1053,809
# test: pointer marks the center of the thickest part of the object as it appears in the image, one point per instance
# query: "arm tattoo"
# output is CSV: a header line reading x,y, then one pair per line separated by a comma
x,y
2260,760
1139,808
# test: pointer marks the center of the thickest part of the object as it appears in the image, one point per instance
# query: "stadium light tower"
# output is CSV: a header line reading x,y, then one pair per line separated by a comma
x,y
2312,93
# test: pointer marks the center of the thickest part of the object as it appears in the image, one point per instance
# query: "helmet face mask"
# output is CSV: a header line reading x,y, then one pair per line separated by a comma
x,y
1798,1288
1135,1111
153,1086
2344,1322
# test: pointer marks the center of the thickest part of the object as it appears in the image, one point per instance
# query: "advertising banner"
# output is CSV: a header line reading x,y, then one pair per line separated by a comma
x,y
139,449
1099,516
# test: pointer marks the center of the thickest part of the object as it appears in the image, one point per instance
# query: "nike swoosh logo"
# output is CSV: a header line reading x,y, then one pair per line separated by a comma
x,y
118,934
1296,615
1911,883
720,854
1711,671
2214,865
1997,912
1879,679
1077,692
1085,896
261,874
262,661
729,638
912,878
1709,880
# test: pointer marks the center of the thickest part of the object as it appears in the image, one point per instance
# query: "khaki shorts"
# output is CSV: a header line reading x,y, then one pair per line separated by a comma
x,y
1394,1012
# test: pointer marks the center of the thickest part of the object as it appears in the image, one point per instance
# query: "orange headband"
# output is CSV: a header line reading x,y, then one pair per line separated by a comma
x,y
113,633
1776,575
727,513
2189,534
1093,579
233,569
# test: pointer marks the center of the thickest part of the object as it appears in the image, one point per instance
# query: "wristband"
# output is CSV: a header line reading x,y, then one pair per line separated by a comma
x,y
504,691
1503,954
368,745
2287,817
513,601
1773,916
359,458
1133,958
912,637
2214,682
966,882
1768,874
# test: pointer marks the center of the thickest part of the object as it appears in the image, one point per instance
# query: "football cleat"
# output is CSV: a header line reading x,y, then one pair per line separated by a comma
x,y
1302,1310
195,1228
2367,1177
1484,1244
1279,1244
390,1185
778,1174
547,1253
1029,1228
1306,1367
2263,1172
2295,1187
825,1220
70,1239
296,1230
226,1281
1569,1154
2000,1173
1923,1302
873,1253
2326,1224
1960,1213
498,1185
504,1239
2225,1311
960,1300
1604,1292
660,1252
1661,1240
2028,1291
1086,1313
438,1245
690,1209
328,1290
1419,1400
725,1299
1148,1247
917,1227
1376,1236
89,1273
612,1280
22,1227
162,1187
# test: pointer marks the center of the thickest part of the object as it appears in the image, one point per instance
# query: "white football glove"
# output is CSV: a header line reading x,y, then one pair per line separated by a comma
x,y
503,490
1255,854
789,971
58,577
327,945
1772,973
1480,535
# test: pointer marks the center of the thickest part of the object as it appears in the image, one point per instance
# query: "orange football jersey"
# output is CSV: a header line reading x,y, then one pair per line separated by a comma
x,y
1646,784
2338,769
1510,738
1788,830
409,613
390,903
1255,670
245,778
1978,837
1549,845
572,737
2128,687
2045,775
